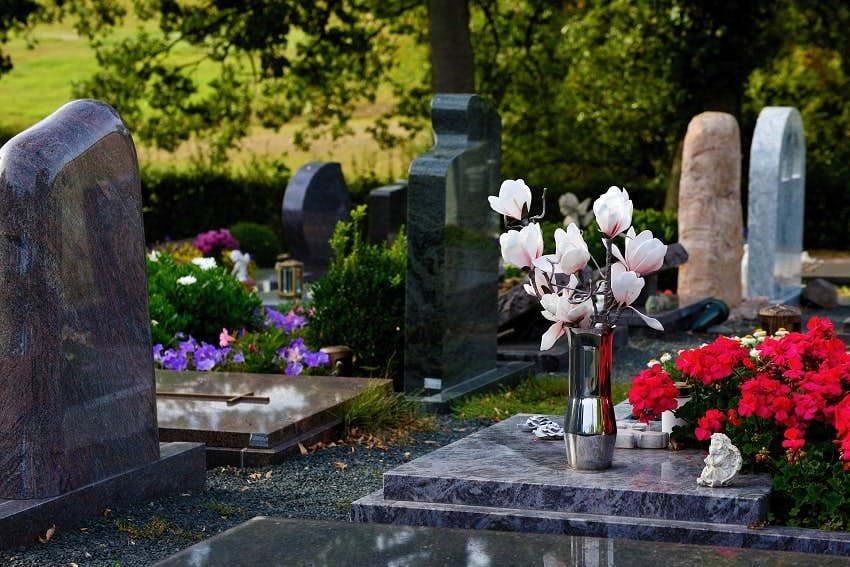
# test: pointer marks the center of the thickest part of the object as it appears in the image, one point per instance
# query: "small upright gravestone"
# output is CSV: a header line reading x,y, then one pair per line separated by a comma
x,y
387,212
710,211
316,198
451,313
776,203
78,427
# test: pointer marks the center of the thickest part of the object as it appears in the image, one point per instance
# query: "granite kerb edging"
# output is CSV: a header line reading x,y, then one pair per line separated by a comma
x,y
720,507
373,508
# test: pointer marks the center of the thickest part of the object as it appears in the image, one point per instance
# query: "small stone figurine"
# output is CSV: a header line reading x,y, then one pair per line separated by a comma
x,y
240,265
722,463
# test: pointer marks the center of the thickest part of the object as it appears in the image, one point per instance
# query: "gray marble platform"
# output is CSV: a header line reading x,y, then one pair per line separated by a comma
x,y
504,478
278,541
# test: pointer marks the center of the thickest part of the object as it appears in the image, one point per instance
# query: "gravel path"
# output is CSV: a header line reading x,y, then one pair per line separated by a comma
x,y
320,485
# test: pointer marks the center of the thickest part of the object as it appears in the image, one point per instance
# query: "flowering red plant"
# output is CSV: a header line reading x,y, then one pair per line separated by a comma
x,y
770,395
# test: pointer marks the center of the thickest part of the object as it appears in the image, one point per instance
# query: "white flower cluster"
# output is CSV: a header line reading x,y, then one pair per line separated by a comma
x,y
568,298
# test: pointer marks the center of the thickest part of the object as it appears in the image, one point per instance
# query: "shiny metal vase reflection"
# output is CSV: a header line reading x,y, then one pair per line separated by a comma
x,y
590,427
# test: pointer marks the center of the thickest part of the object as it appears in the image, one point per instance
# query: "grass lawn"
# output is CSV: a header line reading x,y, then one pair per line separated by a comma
x,y
44,74
542,394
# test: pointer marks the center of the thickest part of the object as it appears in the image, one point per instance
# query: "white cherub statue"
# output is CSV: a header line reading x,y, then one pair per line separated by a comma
x,y
722,463
240,265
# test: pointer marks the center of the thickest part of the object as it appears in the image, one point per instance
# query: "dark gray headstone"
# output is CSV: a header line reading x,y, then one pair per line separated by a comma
x,y
451,313
316,198
78,417
387,212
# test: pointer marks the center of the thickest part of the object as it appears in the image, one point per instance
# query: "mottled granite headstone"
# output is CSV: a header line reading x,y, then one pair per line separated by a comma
x,y
710,211
76,371
451,313
387,212
316,198
776,202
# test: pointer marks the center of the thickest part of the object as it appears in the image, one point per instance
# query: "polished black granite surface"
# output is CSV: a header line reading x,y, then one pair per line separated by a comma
x,y
504,478
276,541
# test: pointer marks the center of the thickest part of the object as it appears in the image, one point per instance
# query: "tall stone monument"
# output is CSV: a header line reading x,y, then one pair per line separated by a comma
x,y
777,194
710,210
78,428
451,314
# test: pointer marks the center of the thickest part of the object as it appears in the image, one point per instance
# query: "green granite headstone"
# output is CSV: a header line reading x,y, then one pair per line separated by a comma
x,y
451,315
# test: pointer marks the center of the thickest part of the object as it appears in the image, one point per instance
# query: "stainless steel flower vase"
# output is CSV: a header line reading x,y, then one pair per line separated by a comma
x,y
590,427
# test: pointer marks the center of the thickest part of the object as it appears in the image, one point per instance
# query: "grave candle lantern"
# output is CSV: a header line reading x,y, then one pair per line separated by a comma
x,y
290,273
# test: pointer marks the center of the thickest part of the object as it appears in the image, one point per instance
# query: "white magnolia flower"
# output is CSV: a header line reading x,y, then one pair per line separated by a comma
x,y
187,280
644,254
522,247
613,211
514,199
204,263
571,254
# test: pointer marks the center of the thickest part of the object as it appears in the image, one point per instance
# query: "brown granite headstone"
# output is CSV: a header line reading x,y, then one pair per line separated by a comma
x,y
76,370
710,210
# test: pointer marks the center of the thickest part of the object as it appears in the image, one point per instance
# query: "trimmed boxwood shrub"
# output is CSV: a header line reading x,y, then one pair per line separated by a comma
x,y
359,302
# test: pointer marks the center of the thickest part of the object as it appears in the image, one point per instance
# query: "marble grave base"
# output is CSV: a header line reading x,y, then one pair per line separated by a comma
x,y
504,478
279,541
180,468
252,420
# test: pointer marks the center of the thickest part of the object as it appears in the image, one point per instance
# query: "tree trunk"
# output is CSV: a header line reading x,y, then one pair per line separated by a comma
x,y
452,64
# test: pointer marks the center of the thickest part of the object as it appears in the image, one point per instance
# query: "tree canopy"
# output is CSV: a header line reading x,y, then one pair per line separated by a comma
x,y
590,92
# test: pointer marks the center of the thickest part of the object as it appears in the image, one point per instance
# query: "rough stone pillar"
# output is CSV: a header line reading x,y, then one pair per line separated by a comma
x,y
710,210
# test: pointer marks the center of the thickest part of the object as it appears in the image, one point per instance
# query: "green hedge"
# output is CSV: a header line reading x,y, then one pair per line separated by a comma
x,y
179,203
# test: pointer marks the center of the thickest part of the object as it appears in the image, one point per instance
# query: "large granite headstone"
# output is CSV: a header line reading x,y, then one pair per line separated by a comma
x,y
710,211
315,199
776,202
387,212
451,313
76,369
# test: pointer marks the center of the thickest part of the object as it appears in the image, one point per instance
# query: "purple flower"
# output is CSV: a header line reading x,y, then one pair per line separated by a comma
x,y
213,240
313,359
293,368
239,358
157,352
174,360
206,357
289,322
187,346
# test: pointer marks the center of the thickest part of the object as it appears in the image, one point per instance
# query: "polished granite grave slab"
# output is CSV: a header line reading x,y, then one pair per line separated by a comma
x,y
504,478
251,419
76,366
277,541
179,469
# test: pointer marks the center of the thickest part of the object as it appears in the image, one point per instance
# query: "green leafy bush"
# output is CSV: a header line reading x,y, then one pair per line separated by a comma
x,y
196,301
258,240
359,302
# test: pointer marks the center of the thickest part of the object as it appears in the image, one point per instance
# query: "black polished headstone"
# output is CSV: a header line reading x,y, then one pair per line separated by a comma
x,y
451,313
316,198
387,212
